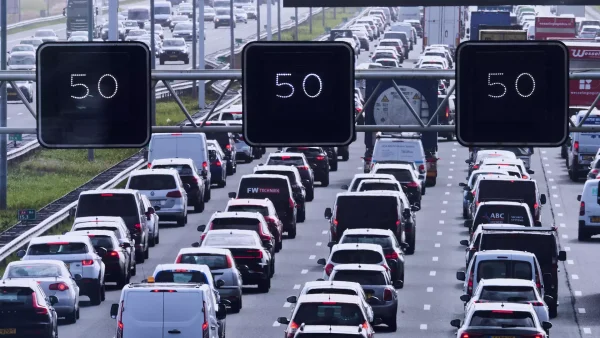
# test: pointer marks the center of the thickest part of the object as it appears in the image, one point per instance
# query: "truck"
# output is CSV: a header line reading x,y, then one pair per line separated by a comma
x,y
576,11
547,27
501,8
409,13
487,18
442,26
504,34
76,13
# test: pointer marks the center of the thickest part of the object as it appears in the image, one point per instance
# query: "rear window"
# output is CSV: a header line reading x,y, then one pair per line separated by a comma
x,y
152,182
400,36
360,277
238,223
327,291
290,175
500,190
15,296
401,175
249,208
210,260
101,242
305,151
221,137
57,249
543,246
356,257
504,269
180,276
377,211
260,188
229,240
384,241
182,169
113,229
511,294
121,205
379,186
34,270
285,160
502,318
345,314
502,214
389,43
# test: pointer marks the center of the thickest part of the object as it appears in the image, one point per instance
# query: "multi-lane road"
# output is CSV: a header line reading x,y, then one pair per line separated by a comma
x,y
216,40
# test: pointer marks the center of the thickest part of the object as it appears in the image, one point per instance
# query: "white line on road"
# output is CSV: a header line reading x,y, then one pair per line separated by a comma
x,y
447,193
563,225
445,202
577,293
312,257
435,258
587,330
441,222
565,236
567,248
297,286
581,310
453,155
423,327
443,211
439,233
453,149
545,158
319,243
557,205
551,179
324,232
437,245
546,165
449,177
570,262
432,273
450,169
304,271
560,214
449,184
549,171
553,187
451,162
555,196
276,324
426,307
286,304
574,277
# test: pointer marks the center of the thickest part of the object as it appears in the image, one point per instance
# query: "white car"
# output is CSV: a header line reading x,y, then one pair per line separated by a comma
x,y
351,42
46,35
353,253
22,61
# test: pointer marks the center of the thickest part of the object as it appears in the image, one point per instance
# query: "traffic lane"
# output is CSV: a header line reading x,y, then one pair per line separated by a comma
x,y
18,115
581,267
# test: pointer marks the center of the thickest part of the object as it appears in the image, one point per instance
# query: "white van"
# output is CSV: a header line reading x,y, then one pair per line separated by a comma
x,y
182,145
582,147
162,13
157,310
396,150
589,210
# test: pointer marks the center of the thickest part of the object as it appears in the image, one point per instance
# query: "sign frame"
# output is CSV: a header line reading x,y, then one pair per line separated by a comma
x,y
97,47
426,3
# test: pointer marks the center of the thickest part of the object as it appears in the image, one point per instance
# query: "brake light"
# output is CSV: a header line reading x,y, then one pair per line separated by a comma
x,y
178,259
431,160
270,219
181,270
328,269
218,163
576,146
106,195
120,321
174,194
421,168
397,223
229,261
204,165
91,236
525,177
475,167
359,109
536,303
303,167
292,204
537,335
412,185
40,310
205,323
365,325
474,192
138,227
447,112
470,283
293,326
149,165
392,255
328,303
538,284
285,157
113,254
320,158
202,237
387,295
335,222
594,172
87,262
176,134
582,209
59,286
387,268
228,147
263,236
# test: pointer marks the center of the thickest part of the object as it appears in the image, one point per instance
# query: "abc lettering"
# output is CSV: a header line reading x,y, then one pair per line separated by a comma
x,y
497,215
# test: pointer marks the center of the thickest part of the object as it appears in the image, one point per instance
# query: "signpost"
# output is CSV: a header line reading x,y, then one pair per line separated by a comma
x,y
15,137
24,215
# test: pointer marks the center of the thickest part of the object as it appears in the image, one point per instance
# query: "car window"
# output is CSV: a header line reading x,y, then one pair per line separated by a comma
x,y
346,314
228,240
99,241
356,257
15,295
285,160
58,248
320,291
182,169
178,276
121,205
384,241
489,269
152,182
33,270
378,186
507,190
290,175
249,208
501,318
238,223
401,175
361,277
213,261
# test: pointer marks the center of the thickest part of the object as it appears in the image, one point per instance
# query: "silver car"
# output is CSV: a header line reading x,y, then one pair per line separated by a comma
x,y
55,279
78,253
222,266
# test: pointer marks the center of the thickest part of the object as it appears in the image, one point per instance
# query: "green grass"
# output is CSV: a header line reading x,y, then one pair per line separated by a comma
x,y
317,24
50,174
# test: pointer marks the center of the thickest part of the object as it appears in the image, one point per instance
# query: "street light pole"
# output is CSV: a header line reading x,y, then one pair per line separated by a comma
x,y
279,20
3,108
269,29
231,36
296,23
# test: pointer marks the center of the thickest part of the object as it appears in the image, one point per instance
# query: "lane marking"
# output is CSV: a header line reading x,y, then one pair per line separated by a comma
x,y
545,158
449,177
276,324
445,202
551,179
549,171
324,232
567,248
453,149
577,293
435,258
557,205
426,307
574,277
555,196
455,143
581,310
447,193
449,184
450,169
563,225
297,286
439,233
451,162
441,222
560,214
286,304
453,155
570,262
547,165
319,243
432,273
304,271
587,330
565,236
553,187
423,327
443,211
437,245
312,257
430,289
543,151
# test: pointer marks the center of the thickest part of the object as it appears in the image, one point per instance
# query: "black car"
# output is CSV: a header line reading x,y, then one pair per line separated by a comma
x,y
251,258
408,180
193,183
297,187
300,162
333,158
227,143
26,311
318,160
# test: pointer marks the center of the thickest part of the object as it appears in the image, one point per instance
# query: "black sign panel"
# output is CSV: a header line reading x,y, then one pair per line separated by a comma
x,y
298,93
409,3
93,95
512,93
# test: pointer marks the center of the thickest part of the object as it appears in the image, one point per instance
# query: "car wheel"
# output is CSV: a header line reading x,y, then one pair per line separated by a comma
x,y
292,233
151,241
264,285
199,205
147,253
139,258
392,324
325,182
334,166
237,306
207,194
310,193
301,214
411,243
96,297
181,222
71,318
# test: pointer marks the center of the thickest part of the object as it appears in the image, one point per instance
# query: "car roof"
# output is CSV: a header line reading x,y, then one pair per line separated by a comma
x,y
264,176
236,214
379,180
98,219
516,204
386,59
507,282
389,40
368,231
265,202
511,253
363,267
233,232
286,154
319,298
82,232
375,176
393,166
331,284
169,171
10,282
204,249
274,168
60,238
23,52
187,161
503,159
526,307
109,191
488,170
331,329
37,261
356,246
176,266
367,193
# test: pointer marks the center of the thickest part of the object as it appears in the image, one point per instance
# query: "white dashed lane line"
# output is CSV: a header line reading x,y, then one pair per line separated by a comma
x,y
443,211
449,184
286,304
445,202
567,248
587,330
557,205
450,169
439,233
560,214
549,171
563,225
430,289
437,245
312,257
577,293
426,307
297,286
451,162
319,243
565,236
304,271
432,273
447,193
435,259
423,327
453,155
570,262
574,277
276,324
441,222
324,232
581,310
449,177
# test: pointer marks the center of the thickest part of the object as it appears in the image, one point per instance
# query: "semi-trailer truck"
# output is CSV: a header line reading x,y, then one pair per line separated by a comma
x,y
487,18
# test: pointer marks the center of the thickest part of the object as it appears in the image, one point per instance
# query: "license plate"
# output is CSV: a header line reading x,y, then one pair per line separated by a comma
x,y
595,219
8,331
76,268
173,56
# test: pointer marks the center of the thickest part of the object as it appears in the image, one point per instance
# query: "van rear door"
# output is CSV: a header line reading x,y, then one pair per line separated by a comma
x,y
143,315
183,314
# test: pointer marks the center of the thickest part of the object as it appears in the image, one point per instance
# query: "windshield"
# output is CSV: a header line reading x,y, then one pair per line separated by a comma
x,y
44,33
100,241
180,276
368,186
220,240
356,257
121,205
58,248
238,223
209,10
509,214
249,208
31,42
285,160
137,32
182,169
33,271
362,277
345,314
213,261
502,319
505,190
401,175
22,48
184,26
22,60
542,245
384,241
162,10
222,12
489,269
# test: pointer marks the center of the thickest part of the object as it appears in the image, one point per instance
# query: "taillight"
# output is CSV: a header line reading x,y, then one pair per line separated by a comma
x,y
582,209
178,259
293,326
392,255
204,165
39,309
536,303
113,254
594,172
202,237
524,177
538,284
263,236
387,295
229,262
292,204
397,223
149,165
174,194
302,167
320,158
335,222
387,268
59,286
218,163
412,185
475,167
120,321
205,323
474,192
576,146
228,147
470,283
421,168
138,227
447,112
87,262
328,269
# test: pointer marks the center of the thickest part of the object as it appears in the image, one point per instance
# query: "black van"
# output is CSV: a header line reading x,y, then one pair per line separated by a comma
x,y
276,188
542,242
367,209
510,189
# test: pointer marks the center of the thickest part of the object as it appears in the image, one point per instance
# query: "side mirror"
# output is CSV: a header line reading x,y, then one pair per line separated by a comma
x,y
460,275
126,245
328,213
201,228
330,244
21,253
220,283
101,252
462,184
187,186
398,284
195,245
465,298
415,208
114,310
345,187
77,277
406,213
232,195
579,197
537,223
53,300
562,256
546,325
283,320
531,172
464,242
543,198
455,323
321,261
221,312
548,300
292,299
468,223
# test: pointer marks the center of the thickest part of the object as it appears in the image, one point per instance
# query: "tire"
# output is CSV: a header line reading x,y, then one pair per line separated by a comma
x,y
310,194
199,206
134,270
186,61
162,62
230,170
237,306
139,258
432,182
264,285
345,157
301,215
181,221
222,184
582,235
272,267
147,253
292,233
553,310
151,242
325,182
465,214
393,324
334,166
71,318
207,195
411,243
123,280
278,246
96,298
157,239
573,173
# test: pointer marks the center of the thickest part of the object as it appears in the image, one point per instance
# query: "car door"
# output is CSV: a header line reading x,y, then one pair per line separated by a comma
x,y
183,315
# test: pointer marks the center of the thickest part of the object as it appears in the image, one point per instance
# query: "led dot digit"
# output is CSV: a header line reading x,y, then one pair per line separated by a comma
x,y
116,86
320,85
532,83
279,84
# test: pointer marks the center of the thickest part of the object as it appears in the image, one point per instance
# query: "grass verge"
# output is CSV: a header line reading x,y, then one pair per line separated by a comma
x,y
50,174
318,29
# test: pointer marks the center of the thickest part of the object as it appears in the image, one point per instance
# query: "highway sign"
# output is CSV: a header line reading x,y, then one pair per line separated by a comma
x,y
26,215
93,95
291,88
512,93
15,137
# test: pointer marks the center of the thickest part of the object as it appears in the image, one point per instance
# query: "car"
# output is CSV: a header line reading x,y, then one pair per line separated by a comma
x,y
22,61
178,19
293,176
153,220
240,15
135,34
185,30
469,185
209,13
318,160
31,310
405,174
33,42
474,164
46,35
223,268
299,161
186,9
54,279
193,182
225,141
158,30
266,208
81,257
501,212
22,48
223,18
247,249
26,87
353,253
250,11
187,273
121,31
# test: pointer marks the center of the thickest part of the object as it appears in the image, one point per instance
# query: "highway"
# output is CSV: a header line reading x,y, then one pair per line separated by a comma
x,y
216,40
